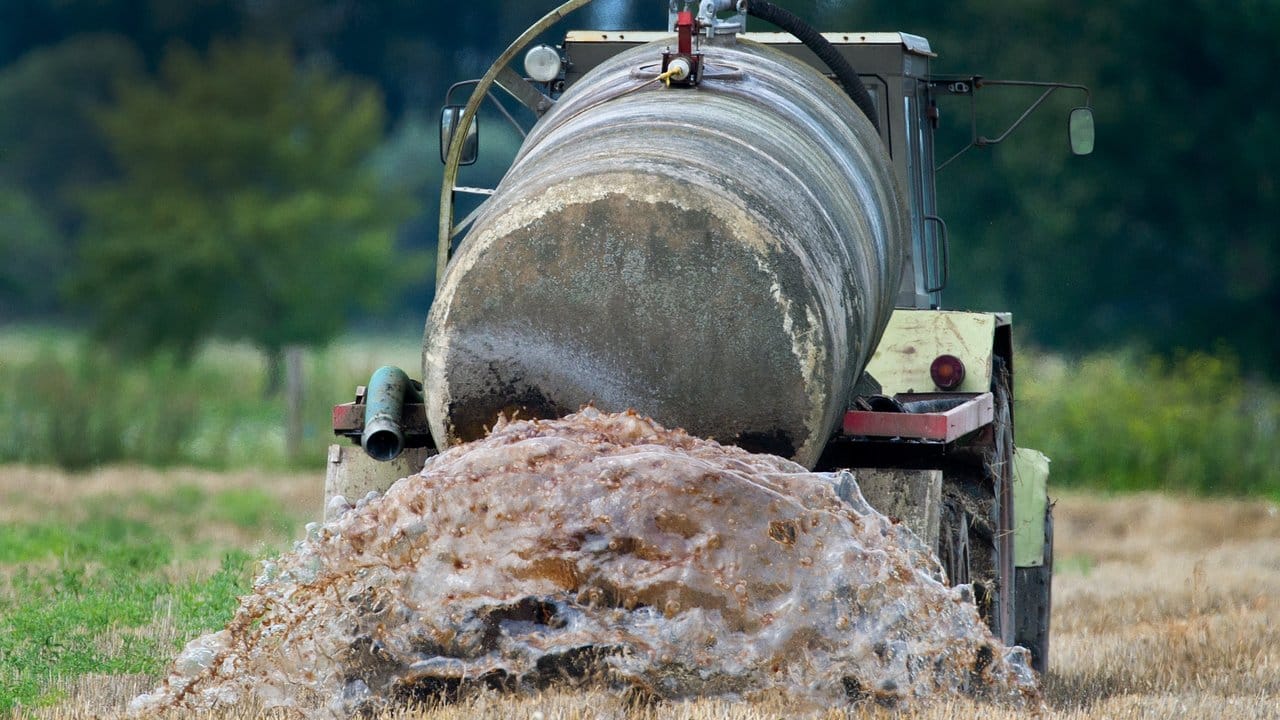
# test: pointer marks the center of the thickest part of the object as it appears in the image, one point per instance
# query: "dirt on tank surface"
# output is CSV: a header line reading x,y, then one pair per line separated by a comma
x,y
601,548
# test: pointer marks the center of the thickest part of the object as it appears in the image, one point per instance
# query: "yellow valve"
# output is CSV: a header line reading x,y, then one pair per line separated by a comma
x,y
677,70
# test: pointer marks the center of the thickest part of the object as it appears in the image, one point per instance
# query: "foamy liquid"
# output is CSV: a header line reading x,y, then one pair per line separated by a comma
x,y
600,548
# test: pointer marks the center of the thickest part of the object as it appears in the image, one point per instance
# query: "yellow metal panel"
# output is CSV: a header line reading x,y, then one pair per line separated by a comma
x,y
915,337
1030,497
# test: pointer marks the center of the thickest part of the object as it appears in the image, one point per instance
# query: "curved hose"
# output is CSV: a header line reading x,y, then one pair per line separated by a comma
x,y
825,51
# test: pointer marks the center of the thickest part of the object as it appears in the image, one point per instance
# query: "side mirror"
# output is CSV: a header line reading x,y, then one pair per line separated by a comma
x,y
449,118
1080,131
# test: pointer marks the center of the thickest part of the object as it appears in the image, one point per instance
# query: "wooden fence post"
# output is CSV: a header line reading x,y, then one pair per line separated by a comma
x,y
293,390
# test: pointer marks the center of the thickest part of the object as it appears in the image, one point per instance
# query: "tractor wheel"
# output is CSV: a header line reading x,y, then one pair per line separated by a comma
x,y
1033,587
953,542
969,546
976,539
999,468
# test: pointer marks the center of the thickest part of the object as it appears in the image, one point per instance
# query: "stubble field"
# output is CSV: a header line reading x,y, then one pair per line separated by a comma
x,y
1164,606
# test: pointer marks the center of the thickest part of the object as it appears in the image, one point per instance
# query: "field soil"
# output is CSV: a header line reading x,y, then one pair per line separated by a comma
x,y
1163,607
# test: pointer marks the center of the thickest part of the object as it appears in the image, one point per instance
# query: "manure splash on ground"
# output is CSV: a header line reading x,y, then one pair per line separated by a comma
x,y
600,548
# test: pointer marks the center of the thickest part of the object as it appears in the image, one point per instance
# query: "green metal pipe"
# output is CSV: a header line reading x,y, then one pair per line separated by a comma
x,y
383,436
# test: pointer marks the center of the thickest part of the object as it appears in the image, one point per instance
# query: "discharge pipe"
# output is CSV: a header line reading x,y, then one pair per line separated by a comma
x,y
383,436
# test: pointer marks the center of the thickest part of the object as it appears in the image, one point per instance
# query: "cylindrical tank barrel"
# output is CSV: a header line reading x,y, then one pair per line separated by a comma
x,y
722,258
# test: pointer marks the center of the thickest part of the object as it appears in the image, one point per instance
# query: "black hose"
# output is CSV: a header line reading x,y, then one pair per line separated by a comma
x,y
825,51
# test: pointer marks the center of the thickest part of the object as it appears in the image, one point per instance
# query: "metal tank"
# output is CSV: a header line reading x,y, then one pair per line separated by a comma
x,y
722,258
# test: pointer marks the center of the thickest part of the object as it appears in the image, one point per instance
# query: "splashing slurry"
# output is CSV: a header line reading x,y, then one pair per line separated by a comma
x,y
606,548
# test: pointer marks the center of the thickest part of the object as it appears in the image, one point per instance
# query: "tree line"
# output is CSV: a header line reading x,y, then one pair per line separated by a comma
x,y
175,171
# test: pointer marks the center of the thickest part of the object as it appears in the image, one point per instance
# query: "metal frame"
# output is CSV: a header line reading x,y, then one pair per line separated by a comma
x,y
348,421
501,108
942,255
446,230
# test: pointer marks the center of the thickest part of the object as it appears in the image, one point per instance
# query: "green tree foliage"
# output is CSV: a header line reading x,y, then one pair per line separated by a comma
x,y
246,207
150,24
1165,236
34,255
50,145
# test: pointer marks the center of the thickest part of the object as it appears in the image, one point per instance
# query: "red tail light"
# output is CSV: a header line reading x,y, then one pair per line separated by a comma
x,y
947,372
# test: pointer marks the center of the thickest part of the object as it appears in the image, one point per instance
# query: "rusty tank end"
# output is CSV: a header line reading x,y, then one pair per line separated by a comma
x,y
722,258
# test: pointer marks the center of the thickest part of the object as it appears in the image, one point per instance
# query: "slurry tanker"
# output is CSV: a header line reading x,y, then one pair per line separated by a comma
x,y
734,233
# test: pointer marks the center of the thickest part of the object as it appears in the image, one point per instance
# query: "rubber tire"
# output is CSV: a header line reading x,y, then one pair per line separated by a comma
x,y
1033,590
986,543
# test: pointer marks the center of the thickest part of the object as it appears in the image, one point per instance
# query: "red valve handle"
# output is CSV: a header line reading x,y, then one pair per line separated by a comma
x,y
684,32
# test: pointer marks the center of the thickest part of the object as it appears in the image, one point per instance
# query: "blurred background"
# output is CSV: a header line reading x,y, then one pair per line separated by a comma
x,y
189,189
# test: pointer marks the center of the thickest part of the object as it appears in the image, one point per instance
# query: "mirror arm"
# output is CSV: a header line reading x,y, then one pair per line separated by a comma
x,y
1088,94
970,85
501,108
984,141
506,114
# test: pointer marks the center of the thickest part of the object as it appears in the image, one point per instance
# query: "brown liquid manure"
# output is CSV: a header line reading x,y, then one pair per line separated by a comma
x,y
600,549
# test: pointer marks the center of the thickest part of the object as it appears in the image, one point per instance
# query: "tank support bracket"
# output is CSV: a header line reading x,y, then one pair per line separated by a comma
x,y
947,426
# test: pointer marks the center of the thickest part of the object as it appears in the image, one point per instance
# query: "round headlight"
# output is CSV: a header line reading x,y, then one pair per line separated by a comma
x,y
542,63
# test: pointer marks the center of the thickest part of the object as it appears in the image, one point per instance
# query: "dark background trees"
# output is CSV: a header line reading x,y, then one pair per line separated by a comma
x,y
1164,238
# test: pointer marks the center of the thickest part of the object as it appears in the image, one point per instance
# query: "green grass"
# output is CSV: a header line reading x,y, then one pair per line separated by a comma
x,y
1113,421
249,509
74,581
78,575
111,540
1120,422
65,402
56,621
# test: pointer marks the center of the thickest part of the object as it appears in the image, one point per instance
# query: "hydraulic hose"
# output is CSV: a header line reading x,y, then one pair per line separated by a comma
x,y
825,51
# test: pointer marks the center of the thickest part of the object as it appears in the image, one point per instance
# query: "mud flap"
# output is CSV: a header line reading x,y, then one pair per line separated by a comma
x,y
1030,498
1033,555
